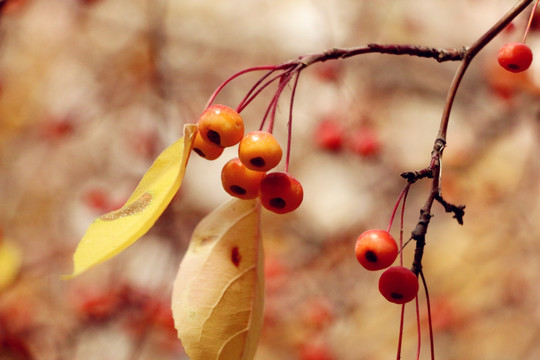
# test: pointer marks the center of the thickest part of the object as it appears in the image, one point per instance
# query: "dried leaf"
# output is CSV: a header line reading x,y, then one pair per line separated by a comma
x,y
111,233
217,299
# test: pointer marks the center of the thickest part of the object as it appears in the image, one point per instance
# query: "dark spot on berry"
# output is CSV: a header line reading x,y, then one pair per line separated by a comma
x,y
214,137
371,256
199,151
277,203
237,190
235,256
396,296
513,66
257,161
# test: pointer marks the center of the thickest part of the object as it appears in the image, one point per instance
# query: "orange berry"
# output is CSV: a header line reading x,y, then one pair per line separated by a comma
x,y
376,249
239,181
515,57
221,125
280,192
398,284
260,151
205,149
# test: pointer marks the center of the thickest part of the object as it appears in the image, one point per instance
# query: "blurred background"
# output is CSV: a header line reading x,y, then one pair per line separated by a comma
x,y
91,91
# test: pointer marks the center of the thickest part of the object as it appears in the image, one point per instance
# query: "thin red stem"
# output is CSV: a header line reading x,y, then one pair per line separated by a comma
x,y
272,107
220,87
402,223
400,338
430,324
289,123
403,192
533,11
419,330
249,97
252,94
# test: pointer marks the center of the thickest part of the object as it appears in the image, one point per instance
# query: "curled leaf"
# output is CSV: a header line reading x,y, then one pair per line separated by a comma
x,y
217,298
111,233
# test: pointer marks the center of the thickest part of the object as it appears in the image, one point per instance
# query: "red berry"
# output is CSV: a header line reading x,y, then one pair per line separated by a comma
x,y
329,135
365,142
221,125
330,71
260,151
376,249
515,57
239,181
205,149
280,192
398,284
315,351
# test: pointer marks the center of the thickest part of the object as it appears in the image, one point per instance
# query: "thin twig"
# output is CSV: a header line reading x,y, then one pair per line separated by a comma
x,y
433,170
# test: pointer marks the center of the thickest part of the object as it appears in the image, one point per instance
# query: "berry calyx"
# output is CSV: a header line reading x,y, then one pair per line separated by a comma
x,y
515,57
260,151
280,192
205,149
376,249
398,284
221,125
239,181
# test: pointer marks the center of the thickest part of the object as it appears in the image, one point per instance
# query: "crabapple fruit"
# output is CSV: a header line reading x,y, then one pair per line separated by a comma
x,y
376,249
206,149
515,57
260,151
329,135
364,142
280,192
239,181
221,125
398,284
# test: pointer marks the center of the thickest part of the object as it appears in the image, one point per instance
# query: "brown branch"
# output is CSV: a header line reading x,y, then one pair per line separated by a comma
x,y
434,169
441,55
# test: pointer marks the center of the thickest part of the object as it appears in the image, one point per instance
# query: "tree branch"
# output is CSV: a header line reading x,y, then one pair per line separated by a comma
x,y
434,169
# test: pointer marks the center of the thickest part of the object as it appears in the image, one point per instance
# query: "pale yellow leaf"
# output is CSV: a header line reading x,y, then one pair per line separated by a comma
x,y
217,299
111,233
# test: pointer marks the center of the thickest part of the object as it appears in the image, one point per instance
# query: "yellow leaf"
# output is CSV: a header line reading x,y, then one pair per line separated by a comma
x,y
113,232
10,262
217,299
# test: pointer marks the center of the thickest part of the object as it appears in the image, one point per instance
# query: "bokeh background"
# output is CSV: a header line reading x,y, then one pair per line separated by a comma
x,y
92,90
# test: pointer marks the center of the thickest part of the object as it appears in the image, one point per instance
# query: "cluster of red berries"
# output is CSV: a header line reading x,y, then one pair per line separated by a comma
x,y
332,136
247,176
376,250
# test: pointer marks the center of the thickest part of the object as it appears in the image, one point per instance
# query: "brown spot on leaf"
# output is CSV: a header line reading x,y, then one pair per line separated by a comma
x,y
235,256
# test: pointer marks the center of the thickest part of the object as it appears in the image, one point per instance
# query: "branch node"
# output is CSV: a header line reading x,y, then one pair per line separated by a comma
x,y
413,176
459,210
